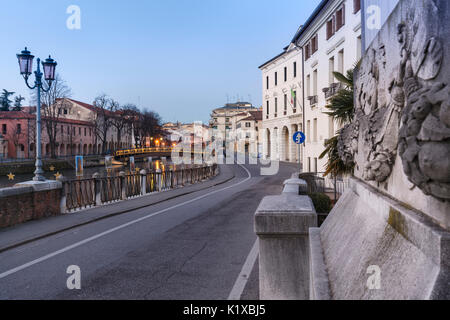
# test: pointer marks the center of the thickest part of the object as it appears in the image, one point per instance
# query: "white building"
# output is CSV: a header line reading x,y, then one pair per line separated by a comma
x,y
282,104
330,40
249,133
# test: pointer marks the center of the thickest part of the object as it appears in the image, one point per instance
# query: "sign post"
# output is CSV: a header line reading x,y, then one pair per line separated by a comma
x,y
299,138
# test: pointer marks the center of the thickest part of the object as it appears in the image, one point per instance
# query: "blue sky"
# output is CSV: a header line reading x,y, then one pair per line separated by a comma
x,y
179,58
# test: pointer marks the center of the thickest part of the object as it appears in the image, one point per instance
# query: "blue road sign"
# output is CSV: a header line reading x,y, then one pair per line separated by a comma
x,y
299,137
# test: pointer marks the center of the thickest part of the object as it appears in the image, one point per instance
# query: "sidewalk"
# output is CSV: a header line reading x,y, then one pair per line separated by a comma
x,y
34,230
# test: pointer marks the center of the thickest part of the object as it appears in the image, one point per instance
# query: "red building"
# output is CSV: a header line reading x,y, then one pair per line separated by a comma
x,y
17,136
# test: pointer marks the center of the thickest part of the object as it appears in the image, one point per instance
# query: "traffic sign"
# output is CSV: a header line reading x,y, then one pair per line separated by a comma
x,y
299,137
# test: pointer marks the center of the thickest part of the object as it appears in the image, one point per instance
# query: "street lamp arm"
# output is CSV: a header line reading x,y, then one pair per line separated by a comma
x,y
28,85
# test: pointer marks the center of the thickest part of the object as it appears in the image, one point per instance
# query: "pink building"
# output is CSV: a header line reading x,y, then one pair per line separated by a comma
x,y
17,136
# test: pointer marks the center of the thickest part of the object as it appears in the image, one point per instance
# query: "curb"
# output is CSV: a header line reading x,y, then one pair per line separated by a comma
x,y
23,242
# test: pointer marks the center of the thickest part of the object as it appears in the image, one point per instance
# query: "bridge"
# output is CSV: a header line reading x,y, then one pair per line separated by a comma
x,y
141,152
148,152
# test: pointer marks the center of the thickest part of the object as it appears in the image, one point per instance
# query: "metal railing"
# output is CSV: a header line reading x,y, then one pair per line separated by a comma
x,y
318,182
95,191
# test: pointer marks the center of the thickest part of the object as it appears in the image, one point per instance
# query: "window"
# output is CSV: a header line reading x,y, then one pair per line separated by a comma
x,y
285,102
311,47
295,69
79,131
295,101
73,131
336,22
308,130
85,131
267,82
65,111
330,28
308,85
248,124
90,132
62,129
315,164
276,78
19,128
315,130
276,106
4,131
314,44
331,69
285,74
341,61
268,106
356,6
309,164
315,83
358,48
331,127
307,51
340,18
68,129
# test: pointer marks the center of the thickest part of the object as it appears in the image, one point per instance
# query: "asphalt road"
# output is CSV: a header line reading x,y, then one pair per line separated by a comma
x,y
192,247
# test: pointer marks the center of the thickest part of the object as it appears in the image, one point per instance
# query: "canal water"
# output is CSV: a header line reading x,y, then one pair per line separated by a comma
x,y
88,172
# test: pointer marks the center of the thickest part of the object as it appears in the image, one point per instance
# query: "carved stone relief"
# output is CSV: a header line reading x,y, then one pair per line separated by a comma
x,y
404,110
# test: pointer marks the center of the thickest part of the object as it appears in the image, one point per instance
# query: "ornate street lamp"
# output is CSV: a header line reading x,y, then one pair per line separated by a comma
x,y
26,66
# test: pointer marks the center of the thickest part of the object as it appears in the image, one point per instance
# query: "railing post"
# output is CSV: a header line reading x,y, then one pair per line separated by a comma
x,y
97,189
143,182
63,202
159,179
172,179
123,185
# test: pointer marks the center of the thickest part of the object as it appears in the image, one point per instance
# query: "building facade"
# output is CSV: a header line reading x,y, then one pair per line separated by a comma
x,y
223,122
282,104
74,123
249,133
330,40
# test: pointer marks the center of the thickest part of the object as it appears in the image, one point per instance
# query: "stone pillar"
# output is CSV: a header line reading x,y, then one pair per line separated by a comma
x,y
63,202
143,182
282,224
123,185
97,189
296,186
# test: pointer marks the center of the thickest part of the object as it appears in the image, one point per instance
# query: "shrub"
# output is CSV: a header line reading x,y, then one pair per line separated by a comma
x,y
321,202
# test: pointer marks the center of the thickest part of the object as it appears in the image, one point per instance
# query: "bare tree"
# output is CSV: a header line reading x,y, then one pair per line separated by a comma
x,y
103,118
53,106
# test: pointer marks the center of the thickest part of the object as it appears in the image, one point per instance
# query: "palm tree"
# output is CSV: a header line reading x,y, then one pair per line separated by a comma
x,y
342,111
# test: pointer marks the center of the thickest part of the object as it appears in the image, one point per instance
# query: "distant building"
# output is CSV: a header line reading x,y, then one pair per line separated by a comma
x,y
197,132
224,120
249,133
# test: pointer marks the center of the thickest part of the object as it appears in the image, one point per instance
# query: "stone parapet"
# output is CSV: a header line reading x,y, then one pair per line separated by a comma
x,y
29,201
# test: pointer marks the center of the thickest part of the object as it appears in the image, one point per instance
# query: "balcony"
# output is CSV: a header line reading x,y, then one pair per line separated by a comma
x,y
313,100
332,90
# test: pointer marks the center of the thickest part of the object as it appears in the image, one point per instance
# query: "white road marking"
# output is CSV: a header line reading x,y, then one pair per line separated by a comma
x,y
243,277
80,243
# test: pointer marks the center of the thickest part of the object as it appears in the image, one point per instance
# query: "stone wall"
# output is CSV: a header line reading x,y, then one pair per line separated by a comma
x,y
23,203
